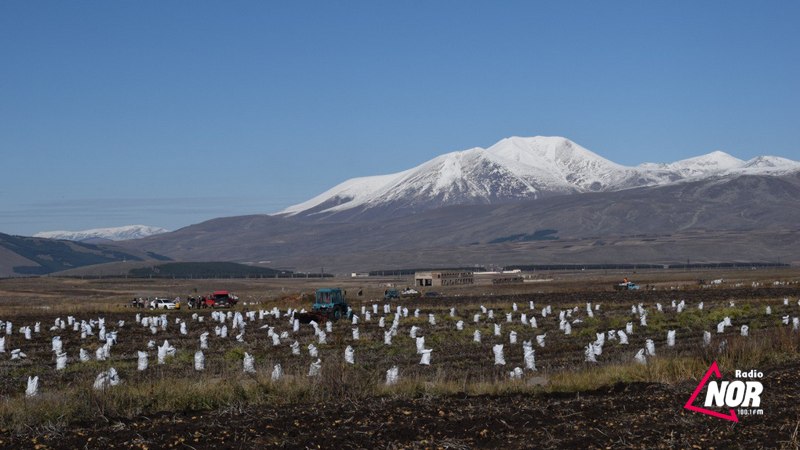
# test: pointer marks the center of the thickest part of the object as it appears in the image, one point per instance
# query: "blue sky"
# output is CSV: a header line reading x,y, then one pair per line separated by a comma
x,y
170,113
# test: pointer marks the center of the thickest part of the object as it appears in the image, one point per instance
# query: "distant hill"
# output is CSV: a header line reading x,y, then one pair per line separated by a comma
x,y
206,270
181,270
102,235
25,256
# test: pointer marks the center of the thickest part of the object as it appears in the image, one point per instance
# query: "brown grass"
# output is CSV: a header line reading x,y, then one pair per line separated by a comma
x,y
341,382
176,387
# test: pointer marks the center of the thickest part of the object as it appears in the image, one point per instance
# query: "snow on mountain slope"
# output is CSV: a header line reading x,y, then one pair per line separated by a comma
x,y
518,168
113,234
465,177
353,191
711,163
574,165
721,163
770,164
560,157
469,176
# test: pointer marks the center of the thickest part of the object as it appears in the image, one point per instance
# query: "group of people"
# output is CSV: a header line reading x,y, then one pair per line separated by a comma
x,y
140,302
192,302
199,302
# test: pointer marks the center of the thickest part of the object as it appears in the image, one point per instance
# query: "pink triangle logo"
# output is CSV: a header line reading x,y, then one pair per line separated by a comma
x,y
713,369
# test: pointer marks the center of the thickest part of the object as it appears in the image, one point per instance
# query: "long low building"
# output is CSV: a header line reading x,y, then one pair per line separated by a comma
x,y
444,278
440,278
495,278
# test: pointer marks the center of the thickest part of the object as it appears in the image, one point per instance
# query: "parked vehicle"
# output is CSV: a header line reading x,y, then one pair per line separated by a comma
x,y
626,286
165,303
390,294
409,293
219,299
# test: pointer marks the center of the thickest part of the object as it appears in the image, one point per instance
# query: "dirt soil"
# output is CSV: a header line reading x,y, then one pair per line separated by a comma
x,y
637,415
626,415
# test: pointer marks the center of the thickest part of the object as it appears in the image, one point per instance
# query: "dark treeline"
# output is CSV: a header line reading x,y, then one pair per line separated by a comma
x,y
192,270
729,265
394,272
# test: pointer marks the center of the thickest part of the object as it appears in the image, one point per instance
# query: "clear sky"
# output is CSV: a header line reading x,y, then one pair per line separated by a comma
x,y
168,113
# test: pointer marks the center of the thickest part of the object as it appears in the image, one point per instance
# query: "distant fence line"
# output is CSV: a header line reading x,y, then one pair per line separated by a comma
x,y
627,266
396,272
732,265
406,272
198,276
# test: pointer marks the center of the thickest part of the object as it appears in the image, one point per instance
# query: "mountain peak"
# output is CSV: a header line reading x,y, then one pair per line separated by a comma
x,y
716,158
539,150
514,168
711,163
536,140
770,165
719,154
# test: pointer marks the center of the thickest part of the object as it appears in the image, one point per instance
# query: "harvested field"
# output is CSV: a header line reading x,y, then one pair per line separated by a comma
x,y
463,399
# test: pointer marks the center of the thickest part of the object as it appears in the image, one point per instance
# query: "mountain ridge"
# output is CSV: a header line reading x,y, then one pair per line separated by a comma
x,y
111,234
732,218
521,201
516,168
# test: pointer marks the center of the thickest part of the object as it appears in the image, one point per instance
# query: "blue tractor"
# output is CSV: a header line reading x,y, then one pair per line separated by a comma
x,y
329,304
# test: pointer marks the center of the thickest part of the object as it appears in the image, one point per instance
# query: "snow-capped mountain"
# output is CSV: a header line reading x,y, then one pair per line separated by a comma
x,y
518,168
770,164
711,163
113,234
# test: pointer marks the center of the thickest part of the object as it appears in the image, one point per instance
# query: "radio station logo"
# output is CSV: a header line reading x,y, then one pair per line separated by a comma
x,y
740,397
